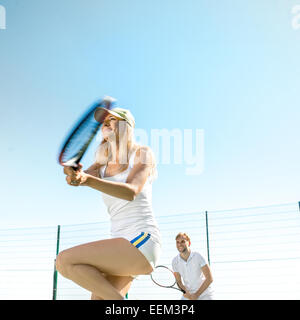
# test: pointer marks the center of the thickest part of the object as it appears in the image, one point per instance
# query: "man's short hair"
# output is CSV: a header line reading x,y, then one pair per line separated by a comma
x,y
183,235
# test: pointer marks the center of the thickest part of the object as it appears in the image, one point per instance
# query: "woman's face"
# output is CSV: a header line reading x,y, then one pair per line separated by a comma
x,y
109,127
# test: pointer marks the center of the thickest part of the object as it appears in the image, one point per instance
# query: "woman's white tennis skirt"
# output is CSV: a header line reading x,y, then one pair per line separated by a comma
x,y
148,247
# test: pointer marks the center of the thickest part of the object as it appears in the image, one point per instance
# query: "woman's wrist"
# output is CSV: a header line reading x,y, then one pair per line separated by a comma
x,y
85,180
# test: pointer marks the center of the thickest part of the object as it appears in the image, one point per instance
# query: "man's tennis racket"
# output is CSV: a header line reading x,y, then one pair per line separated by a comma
x,y
82,134
164,277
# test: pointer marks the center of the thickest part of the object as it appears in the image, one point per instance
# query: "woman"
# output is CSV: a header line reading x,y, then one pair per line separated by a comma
x,y
123,171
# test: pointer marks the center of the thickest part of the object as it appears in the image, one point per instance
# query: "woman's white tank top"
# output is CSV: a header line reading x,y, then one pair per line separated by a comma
x,y
130,218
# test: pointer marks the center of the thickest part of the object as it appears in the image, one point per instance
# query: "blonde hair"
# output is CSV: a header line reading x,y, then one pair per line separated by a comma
x,y
127,146
183,235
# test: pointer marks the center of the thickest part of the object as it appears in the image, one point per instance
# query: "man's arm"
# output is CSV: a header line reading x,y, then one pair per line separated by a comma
x,y
208,280
178,280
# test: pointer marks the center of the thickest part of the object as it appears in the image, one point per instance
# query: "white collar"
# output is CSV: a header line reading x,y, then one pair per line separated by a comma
x,y
188,259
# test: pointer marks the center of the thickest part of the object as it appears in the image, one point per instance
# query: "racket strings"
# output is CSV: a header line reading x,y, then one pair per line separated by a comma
x,y
163,277
81,138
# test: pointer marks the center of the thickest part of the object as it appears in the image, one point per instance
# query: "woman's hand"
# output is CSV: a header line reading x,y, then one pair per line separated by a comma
x,y
75,177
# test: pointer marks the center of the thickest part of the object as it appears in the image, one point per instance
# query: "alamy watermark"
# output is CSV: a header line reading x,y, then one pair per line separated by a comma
x,y
296,17
187,147
2,17
176,146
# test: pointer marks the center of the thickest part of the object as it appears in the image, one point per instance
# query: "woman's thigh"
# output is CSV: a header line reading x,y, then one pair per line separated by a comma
x,y
112,256
122,284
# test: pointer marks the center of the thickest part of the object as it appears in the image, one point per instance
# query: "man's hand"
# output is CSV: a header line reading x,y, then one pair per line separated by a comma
x,y
190,296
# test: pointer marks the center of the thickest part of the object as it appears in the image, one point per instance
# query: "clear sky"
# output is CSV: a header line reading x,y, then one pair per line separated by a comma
x,y
229,68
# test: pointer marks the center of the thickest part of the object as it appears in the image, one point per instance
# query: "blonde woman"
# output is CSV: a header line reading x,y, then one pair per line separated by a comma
x,y
123,172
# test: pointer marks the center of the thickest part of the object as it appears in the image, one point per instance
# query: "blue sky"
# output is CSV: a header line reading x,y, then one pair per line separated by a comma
x,y
230,68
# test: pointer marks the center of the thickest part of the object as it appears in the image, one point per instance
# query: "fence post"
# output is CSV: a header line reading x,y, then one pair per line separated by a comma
x,y
207,237
55,271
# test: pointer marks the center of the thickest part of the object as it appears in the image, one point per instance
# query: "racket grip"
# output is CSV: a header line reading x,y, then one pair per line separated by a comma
x,y
180,288
77,166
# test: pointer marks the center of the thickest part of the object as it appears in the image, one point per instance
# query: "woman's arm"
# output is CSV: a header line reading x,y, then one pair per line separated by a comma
x,y
127,191
93,170
116,189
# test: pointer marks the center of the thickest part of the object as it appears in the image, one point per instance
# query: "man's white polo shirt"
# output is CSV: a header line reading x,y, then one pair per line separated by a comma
x,y
191,272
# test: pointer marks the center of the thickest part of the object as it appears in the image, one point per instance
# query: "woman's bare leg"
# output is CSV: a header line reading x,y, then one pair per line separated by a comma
x,y
122,284
85,264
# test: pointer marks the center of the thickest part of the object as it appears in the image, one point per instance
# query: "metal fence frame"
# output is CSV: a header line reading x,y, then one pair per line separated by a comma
x,y
208,245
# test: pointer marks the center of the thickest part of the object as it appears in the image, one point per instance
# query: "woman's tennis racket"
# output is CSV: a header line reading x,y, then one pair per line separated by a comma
x,y
82,134
164,277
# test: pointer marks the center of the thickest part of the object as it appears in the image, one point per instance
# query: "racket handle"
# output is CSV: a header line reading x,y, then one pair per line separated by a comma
x,y
77,166
180,287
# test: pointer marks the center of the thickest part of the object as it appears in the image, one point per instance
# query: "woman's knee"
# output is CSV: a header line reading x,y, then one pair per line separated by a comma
x,y
63,263
94,297
148,269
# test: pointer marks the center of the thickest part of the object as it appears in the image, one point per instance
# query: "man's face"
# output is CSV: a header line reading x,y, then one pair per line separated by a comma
x,y
182,244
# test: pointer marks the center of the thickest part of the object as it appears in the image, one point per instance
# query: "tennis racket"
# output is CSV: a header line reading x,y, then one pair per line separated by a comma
x,y
81,135
164,277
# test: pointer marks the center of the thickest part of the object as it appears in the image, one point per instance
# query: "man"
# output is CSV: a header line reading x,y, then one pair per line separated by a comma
x,y
192,268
